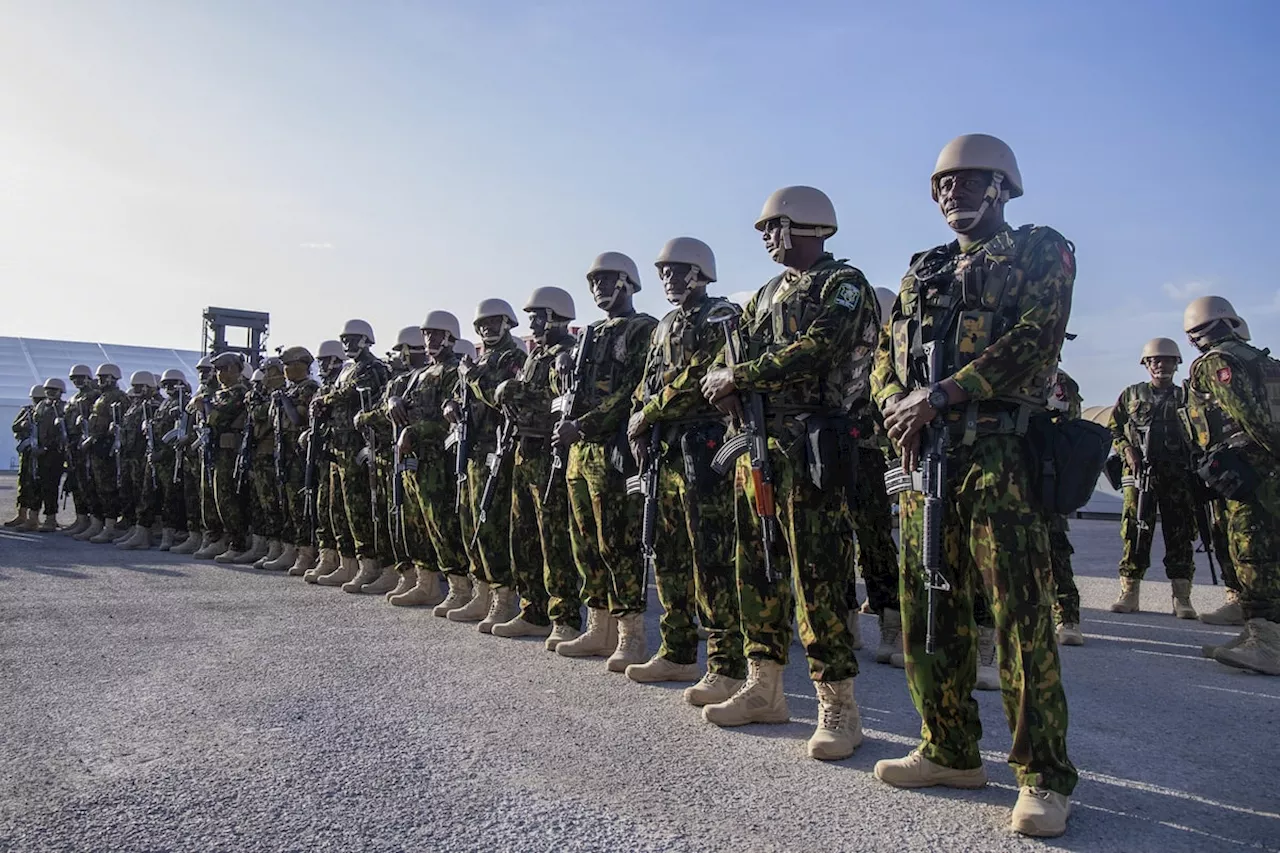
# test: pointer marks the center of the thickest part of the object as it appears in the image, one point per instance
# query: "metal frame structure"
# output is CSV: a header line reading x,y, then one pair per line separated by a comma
x,y
255,323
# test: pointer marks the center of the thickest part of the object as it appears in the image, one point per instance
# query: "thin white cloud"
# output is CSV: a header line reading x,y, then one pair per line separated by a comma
x,y
1185,292
315,245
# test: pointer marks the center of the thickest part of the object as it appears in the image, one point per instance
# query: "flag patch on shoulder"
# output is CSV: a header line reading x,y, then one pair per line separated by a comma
x,y
1224,375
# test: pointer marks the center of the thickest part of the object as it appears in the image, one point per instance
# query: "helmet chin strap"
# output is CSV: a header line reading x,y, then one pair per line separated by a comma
x,y
491,338
786,229
624,283
963,220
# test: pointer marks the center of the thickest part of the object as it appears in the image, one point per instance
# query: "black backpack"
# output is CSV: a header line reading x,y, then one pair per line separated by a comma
x,y
1066,460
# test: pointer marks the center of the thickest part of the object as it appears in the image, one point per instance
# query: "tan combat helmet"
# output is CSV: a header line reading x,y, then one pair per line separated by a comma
x,y
108,369
173,374
1157,347
496,308
692,251
1207,309
465,348
886,298
53,383
37,393
358,327
331,349
982,152
80,371
410,336
619,263
145,378
443,321
553,299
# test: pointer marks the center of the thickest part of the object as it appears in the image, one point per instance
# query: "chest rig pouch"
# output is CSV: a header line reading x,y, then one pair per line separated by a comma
x,y
698,446
831,453
1227,471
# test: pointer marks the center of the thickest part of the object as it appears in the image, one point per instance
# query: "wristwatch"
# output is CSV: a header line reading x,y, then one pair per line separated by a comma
x,y
938,398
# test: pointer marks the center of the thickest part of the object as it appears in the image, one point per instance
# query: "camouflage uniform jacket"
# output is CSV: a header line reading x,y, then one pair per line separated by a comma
x,y
100,417
1233,396
384,435
227,414
1142,408
683,348
343,400
500,362
531,402
79,407
613,370
427,391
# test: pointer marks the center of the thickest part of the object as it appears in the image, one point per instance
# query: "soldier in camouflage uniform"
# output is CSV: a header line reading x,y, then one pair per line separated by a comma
x,y
330,539
225,418
109,406
139,485
24,434
193,466
694,539
997,302
76,414
288,414
1232,416
351,502
432,529
403,552
494,598
51,459
169,462
804,345
605,522
541,557
1144,424
261,487
214,540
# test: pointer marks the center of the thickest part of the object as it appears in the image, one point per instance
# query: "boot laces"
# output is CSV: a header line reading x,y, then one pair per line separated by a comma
x,y
831,714
986,648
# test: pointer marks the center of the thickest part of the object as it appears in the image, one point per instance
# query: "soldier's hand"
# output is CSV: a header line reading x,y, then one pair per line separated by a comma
x,y
1132,458
396,411
304,439
718,383
640,450
452,411
405,444
568,434
906,415
636,426
910,453
355,421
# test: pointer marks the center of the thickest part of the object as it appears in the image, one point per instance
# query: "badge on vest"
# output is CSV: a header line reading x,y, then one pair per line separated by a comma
x,y
1224,375
849,296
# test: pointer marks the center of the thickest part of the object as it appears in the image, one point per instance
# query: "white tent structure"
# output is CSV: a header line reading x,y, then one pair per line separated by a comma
x,y
30,361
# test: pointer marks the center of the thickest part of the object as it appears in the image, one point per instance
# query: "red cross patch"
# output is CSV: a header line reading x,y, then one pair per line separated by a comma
x,y
1068,262
1224,375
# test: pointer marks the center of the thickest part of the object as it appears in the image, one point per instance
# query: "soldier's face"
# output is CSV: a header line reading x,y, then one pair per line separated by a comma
x,y
538,325
52,394
437,341
227,376
79,381
352,344
677,281
107,381
491,329
296,371
606,287
329,364
960,196
1162,367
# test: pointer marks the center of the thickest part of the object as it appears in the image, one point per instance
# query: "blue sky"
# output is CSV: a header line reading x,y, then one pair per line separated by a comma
x,y
328,160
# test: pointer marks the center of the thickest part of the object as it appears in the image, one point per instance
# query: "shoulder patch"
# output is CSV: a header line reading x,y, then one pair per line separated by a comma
x,y
849,295
1068,260
1224,375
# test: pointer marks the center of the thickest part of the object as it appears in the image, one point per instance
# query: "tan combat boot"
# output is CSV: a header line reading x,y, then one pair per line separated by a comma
x,y
32,524
407,575
658,669
348,568
599,640
166,538
256,551
1182,599
370,572
284,560
1040,812
19,519
122,533
138,540
560,633
189,544
633,647
95,527
476,608
520,627
231,555
759,700
1230,613
839,729
217,545
305,560
1259,650
107,534
1069,634
916,771
329,561
460,593
712,689
386,581
426,591
76,527
49,525
855,630
504,605
1210,650
988,674
890,635
274,548
1128,600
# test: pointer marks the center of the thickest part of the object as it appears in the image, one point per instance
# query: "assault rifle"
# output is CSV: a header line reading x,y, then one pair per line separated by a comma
x,y
149,432
645,483
205,433
277,450
115,440
507,432
1143,484
459,439
564,405
310,476
69,484
369,453
400,465
752,439
1206,519
177,436
244,456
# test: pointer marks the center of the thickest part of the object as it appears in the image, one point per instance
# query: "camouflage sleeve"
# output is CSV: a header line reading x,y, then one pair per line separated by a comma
x,y
100,417
22,423
46,426
1119,422
608,417
1228,384
1037,335
884,379
484,383
226,407
843,301
681,394
745,321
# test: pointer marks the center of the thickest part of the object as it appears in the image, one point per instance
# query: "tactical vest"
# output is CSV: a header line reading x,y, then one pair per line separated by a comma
x,y
425,394
785,309
536,420
1208,424
982,290
100,418
299,394
1150,410
362,373
607,361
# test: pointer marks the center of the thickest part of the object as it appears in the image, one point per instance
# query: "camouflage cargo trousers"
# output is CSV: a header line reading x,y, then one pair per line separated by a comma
x,y
229,500
433,491
191,492
295,527
541,553
103,466
1222,544
172,498
993,539
28,496
326,530
810,554
1171,492
409,539
1066,604
604,532
49,467
209,515
1253,537
265,497
136,493
696,579
871,517
82,491
351,508
489,553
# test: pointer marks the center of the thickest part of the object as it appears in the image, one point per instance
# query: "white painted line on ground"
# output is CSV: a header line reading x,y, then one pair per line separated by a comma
x,y
1240,692
1120,639
1207,632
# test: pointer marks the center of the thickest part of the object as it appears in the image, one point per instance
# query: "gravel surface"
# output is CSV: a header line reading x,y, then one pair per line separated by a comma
x,y
155,703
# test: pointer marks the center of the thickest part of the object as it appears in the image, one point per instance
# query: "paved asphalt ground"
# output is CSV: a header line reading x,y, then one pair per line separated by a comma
x,y
151,702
